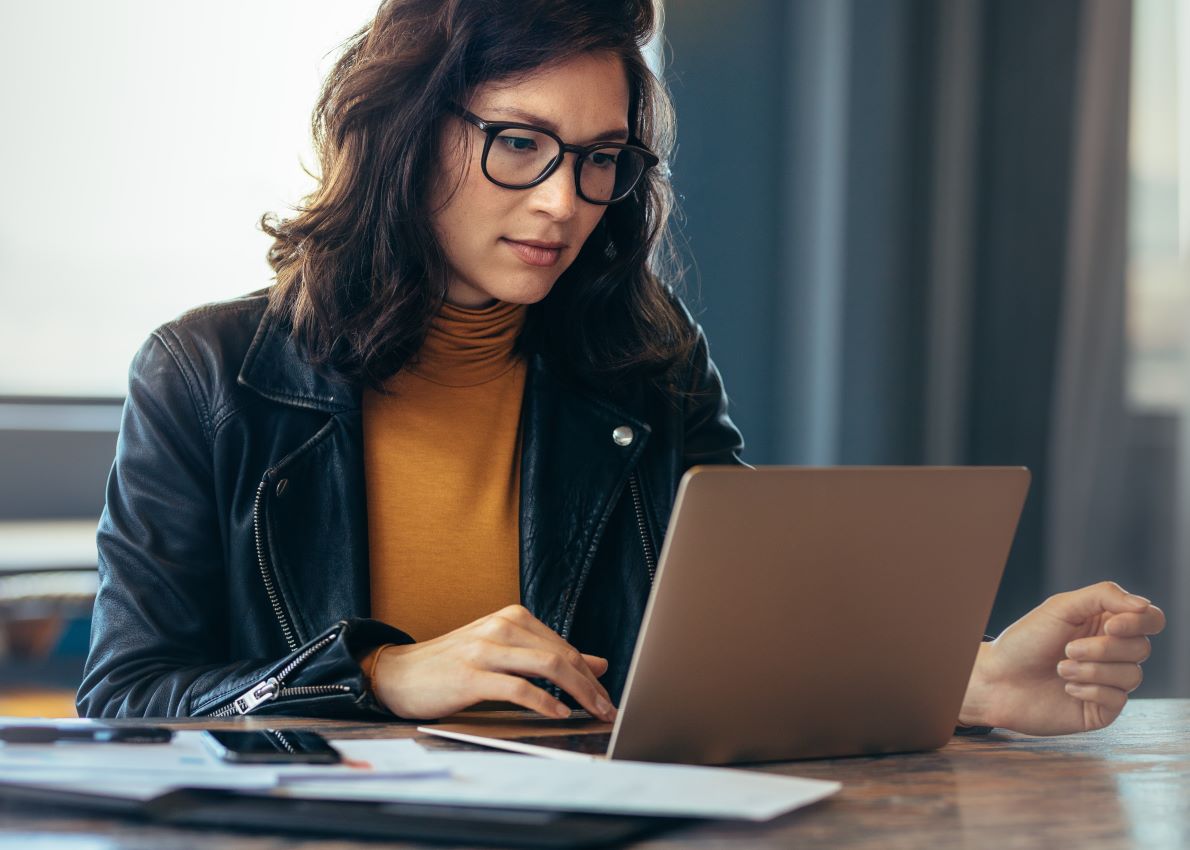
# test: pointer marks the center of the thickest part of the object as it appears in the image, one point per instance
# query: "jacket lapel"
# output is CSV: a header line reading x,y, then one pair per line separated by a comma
x,y
276,370
572,473
313,505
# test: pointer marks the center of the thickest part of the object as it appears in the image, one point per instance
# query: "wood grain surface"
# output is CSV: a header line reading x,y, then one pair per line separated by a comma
x,y
1127,786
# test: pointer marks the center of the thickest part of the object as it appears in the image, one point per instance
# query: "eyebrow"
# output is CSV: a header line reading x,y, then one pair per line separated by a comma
x,y
618,134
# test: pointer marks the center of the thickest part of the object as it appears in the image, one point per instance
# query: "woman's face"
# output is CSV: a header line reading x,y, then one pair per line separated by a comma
x,y
512,244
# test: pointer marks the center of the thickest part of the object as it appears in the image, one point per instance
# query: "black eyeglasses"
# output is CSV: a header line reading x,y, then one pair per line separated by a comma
x,y
520,156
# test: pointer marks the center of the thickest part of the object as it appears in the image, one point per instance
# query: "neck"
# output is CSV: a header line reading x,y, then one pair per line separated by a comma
x,y
466,346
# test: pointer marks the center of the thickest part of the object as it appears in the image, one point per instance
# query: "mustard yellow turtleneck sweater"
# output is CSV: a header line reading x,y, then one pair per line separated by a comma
x,y
442,464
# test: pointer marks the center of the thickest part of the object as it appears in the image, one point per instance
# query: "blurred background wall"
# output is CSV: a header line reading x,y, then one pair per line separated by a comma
x,y
916,231
955,231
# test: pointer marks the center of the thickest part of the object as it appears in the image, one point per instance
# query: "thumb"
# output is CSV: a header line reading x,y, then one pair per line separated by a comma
x,y
1086,602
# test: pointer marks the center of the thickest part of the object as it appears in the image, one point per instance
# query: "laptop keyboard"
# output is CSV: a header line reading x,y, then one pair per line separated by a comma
x,y
591,743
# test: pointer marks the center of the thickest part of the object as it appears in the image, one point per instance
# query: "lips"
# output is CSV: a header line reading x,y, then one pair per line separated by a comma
x,y
536,253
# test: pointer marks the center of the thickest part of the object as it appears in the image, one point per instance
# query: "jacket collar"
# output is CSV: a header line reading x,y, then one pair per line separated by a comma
x,y
276,369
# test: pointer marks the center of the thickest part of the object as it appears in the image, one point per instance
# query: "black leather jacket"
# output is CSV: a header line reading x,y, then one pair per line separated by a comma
x,y
233,550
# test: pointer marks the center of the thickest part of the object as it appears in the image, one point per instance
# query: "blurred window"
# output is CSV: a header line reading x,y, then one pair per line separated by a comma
x,y
1159,220
142,142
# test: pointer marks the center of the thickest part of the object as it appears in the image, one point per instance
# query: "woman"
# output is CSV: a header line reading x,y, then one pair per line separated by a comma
x,y
433,464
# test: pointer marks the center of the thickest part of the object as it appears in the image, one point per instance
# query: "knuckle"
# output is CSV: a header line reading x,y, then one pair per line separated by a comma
x,y
504,613
553,664
1146,649
478,651
518,613
522,692
497,628
574,658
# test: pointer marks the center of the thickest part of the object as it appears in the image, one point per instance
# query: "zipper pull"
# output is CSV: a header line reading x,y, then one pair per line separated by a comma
x,y
259,693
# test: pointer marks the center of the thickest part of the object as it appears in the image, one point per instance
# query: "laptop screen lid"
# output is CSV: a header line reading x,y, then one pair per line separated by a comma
x,y
803,613
815,612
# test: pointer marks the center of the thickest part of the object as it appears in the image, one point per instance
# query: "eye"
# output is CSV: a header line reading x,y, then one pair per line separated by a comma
x,y
603,159
517,144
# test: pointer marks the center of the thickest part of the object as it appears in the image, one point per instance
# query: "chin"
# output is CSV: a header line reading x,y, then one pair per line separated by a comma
x,y
519,288
510,283
528,294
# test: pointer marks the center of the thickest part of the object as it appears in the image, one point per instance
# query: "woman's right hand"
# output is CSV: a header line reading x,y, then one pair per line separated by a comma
x,y
489,659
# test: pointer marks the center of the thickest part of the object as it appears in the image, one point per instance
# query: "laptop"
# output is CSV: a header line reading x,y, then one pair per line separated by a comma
x,y
802,613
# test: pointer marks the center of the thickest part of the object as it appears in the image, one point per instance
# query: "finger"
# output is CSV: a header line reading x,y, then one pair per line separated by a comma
x,y
1148,622
514,689
1110,699
516,626
502,630
598,666
554,667
521,616
1109,648
1125,677
1078,606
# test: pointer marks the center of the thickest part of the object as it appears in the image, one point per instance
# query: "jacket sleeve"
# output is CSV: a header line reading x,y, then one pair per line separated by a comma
x,y
159,633
710,435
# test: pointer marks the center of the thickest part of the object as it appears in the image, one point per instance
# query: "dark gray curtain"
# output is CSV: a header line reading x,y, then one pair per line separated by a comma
x,y
1089,421
906,221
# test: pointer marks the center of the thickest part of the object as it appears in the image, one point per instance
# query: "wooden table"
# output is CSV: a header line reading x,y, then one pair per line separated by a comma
x,y
1126,786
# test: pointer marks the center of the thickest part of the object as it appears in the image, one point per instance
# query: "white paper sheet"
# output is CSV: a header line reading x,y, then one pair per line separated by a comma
x,y
187,761
403,771
492,779
126,785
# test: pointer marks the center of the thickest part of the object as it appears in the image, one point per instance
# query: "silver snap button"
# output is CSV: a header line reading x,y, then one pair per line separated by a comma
x,y
623,436
282,486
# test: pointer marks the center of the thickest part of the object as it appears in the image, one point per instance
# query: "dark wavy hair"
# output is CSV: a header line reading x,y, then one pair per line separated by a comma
x,y
359,271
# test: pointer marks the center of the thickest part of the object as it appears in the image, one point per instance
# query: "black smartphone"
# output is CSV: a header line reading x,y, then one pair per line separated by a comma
x,y
271,746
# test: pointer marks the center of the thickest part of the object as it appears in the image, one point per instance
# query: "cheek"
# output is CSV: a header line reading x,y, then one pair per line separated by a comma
x,y
458,205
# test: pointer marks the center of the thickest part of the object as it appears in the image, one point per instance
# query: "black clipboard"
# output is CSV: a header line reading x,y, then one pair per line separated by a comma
x,y
260,812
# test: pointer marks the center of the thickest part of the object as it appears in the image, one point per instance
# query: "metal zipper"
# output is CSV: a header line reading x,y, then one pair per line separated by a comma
x,y
638,504
273,688
266,572
650,559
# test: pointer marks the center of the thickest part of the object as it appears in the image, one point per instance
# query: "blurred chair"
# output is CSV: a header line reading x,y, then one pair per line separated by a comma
x,y
48,580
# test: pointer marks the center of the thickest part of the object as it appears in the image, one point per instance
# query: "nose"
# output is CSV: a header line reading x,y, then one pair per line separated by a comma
x,y
557,196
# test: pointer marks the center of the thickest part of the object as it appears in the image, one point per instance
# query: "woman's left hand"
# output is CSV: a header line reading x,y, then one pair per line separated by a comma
x,y
1066,666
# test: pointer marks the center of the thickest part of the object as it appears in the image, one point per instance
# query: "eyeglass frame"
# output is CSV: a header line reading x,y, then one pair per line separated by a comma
x,y
492,129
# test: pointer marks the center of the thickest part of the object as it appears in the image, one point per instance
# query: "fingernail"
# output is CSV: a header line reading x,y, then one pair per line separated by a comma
x,y
561,711
1074,650
604,707
1139,600
1073,689
1066,669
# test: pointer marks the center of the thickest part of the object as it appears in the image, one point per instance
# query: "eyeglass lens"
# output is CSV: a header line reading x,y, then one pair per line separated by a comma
x,y
518,156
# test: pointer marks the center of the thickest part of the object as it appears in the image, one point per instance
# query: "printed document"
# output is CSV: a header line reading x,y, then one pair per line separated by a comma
x,y
613,787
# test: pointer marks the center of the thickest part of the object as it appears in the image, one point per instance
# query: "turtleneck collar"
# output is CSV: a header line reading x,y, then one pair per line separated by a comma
x,y
467,347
